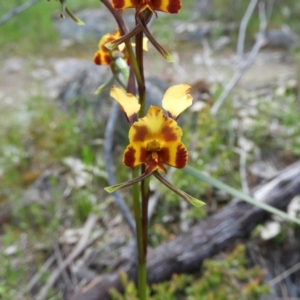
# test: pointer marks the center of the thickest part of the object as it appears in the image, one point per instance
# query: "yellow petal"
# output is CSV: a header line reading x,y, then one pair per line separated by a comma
x,y
169,6
155,126
177,99
128,102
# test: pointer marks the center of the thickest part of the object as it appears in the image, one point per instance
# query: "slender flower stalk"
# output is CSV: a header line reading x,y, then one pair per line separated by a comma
x,y
154,138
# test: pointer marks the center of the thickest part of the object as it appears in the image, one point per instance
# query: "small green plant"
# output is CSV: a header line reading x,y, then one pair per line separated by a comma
x,y
224,278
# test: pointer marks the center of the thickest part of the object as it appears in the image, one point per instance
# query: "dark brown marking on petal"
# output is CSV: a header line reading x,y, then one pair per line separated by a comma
x,y
164,155
97,58
143,155
140,133
174,6
169,133
151,166
181,156
129,157
118,4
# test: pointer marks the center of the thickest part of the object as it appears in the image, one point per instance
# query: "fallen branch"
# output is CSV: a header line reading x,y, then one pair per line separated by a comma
x,y
185,253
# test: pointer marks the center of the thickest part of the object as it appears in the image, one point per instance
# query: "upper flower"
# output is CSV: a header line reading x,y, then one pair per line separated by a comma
x,y
169,6
155,139
104,56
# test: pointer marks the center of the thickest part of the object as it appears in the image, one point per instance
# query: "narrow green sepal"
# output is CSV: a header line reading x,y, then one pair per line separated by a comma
x,y
169,58
182,194
104,85
113,188
194,201
74,18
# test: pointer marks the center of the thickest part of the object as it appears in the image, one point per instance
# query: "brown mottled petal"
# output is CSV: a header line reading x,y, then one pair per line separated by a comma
x,y
134,155
155,125
102,58
174,154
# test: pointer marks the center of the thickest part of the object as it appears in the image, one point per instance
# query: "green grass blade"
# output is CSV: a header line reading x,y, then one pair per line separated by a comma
x,y
222,186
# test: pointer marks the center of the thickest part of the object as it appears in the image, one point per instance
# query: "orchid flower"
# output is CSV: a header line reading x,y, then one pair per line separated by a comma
x,y
104,56
155,140
144,11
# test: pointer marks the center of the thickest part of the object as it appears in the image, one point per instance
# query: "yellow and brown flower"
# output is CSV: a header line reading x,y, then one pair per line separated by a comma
x,y
168,6
155,140
104,56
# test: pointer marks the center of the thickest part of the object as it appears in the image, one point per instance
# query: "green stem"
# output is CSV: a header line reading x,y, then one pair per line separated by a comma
x,y
140,61
142,269
145,199
144,183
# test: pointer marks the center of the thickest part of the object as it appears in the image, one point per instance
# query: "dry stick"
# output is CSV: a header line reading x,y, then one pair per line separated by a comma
x,y
81,245
35,279
108,138
17,10
59,261
244,66
243,27
284,275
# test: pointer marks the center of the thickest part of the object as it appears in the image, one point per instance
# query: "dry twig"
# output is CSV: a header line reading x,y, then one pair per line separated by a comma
x,y
81,245
109,135
35,279
284,274
243,27
246,64
17,10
